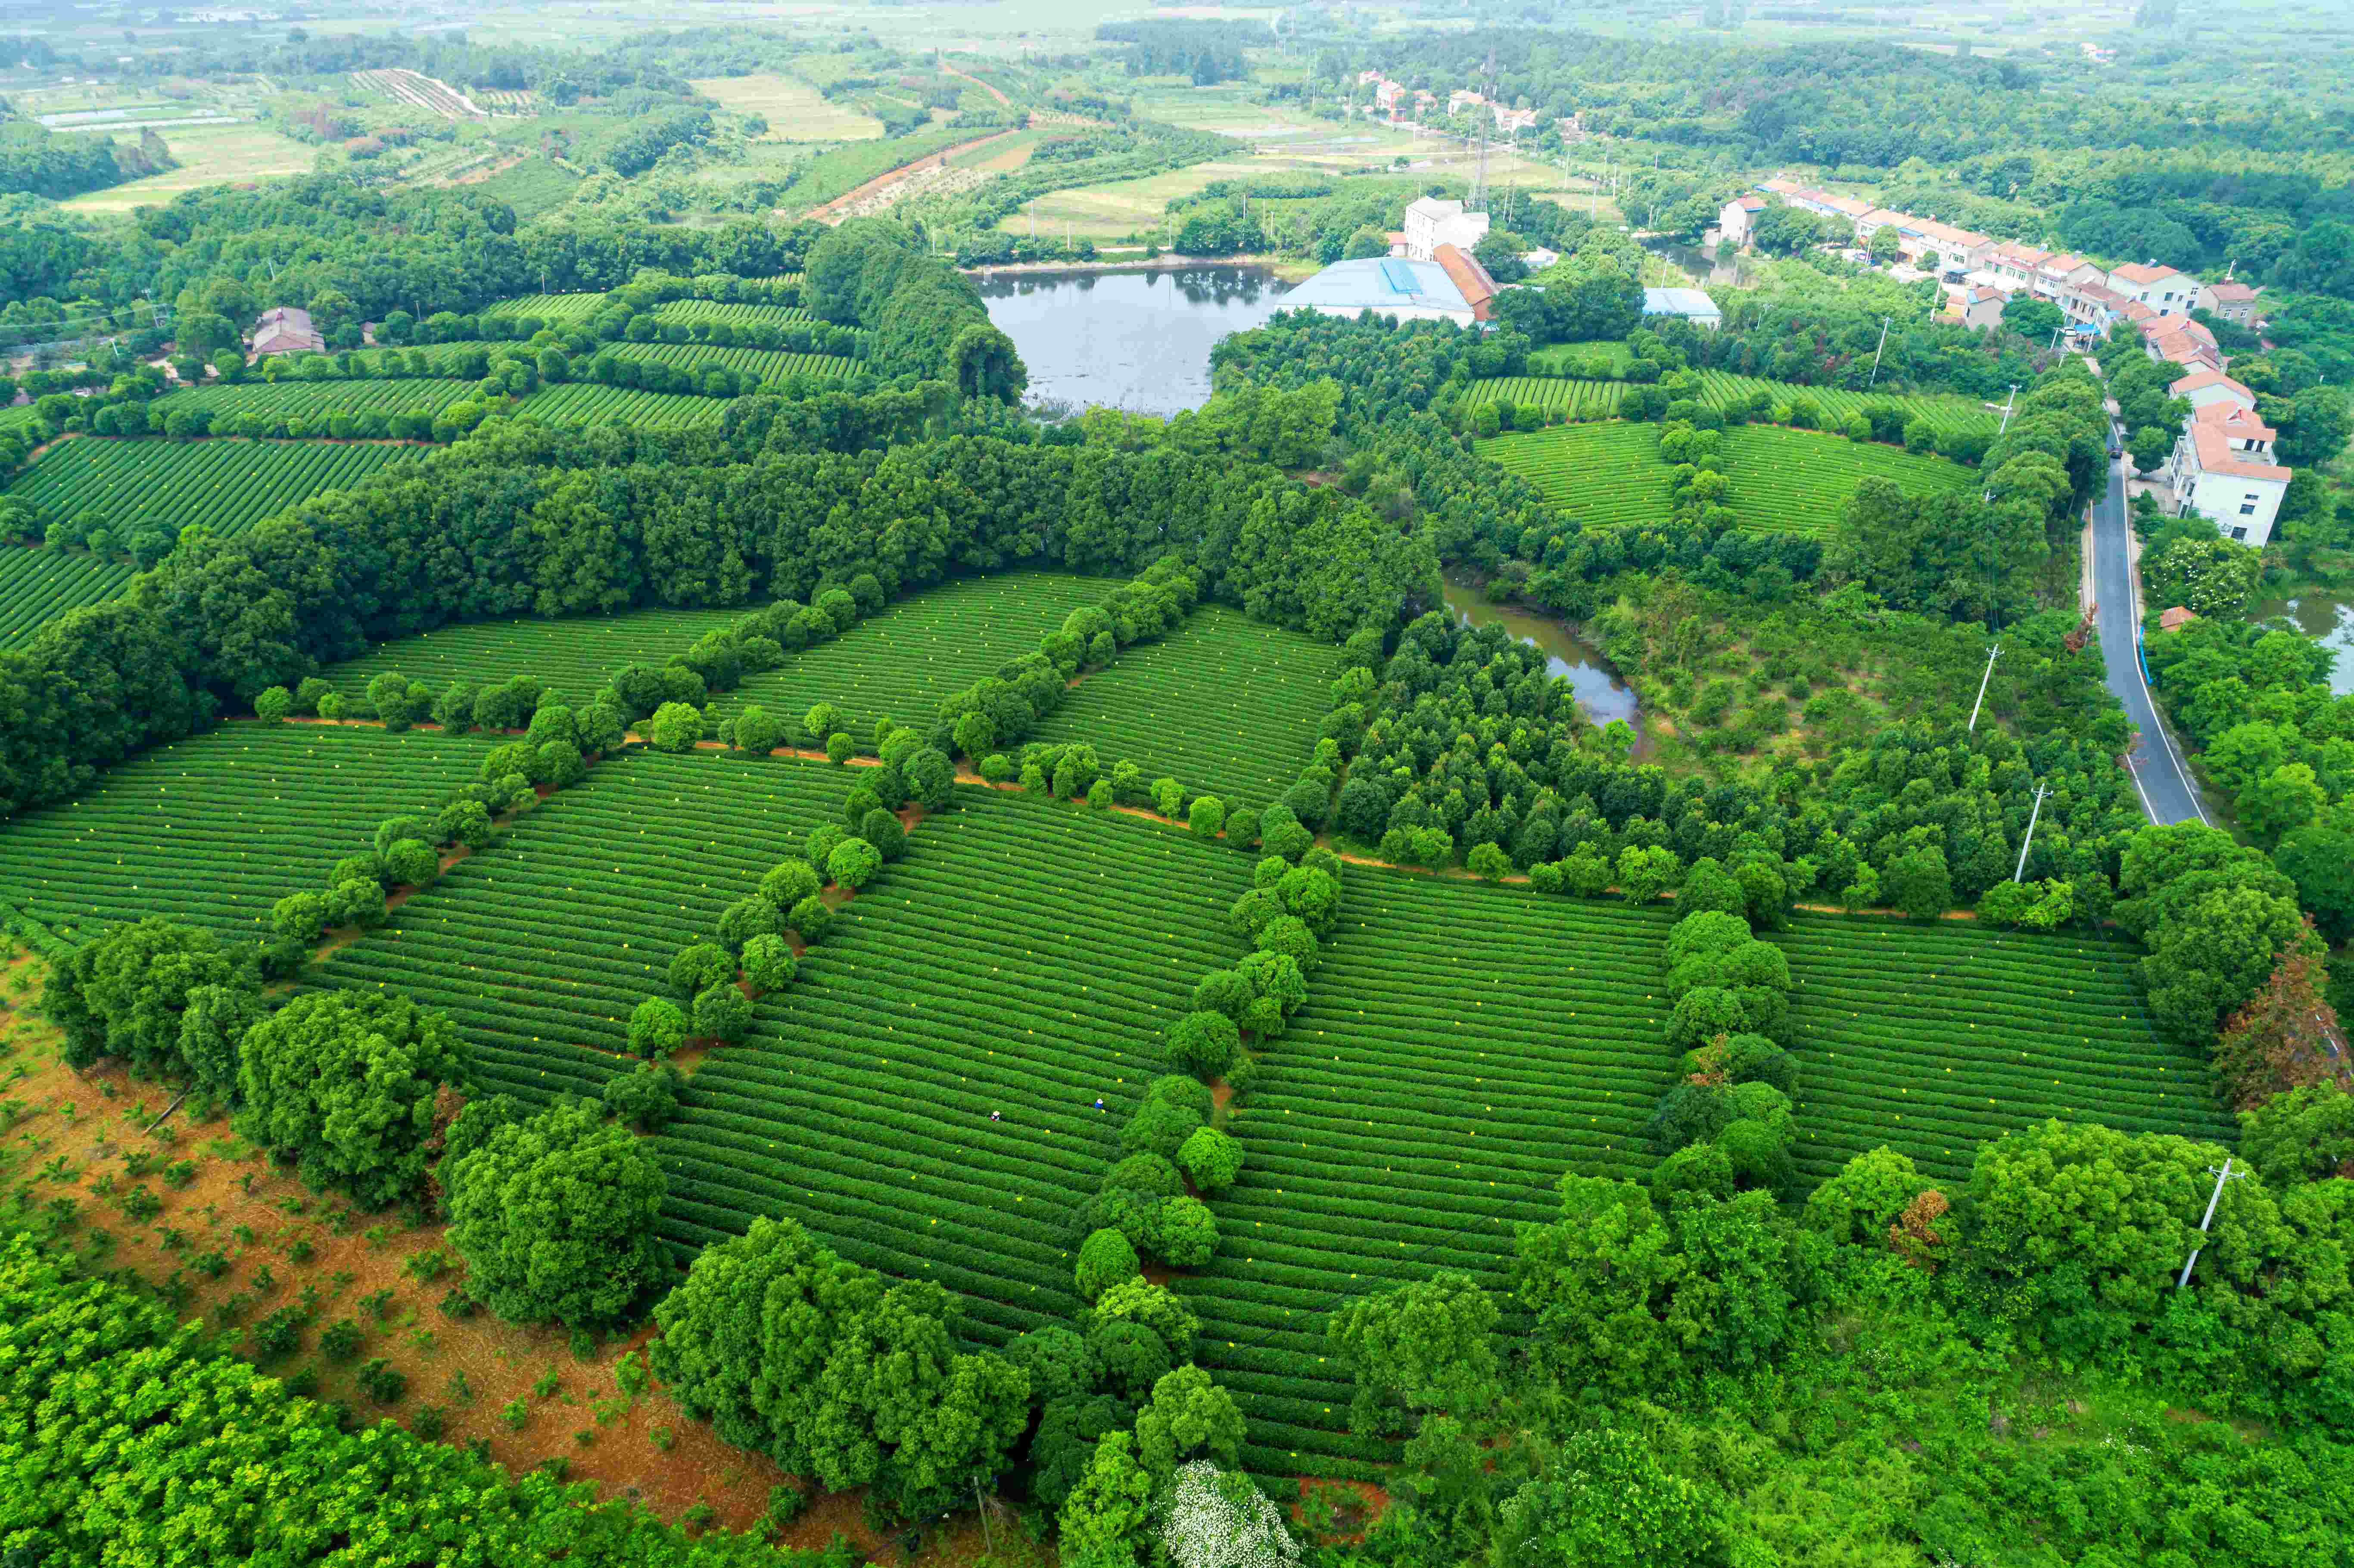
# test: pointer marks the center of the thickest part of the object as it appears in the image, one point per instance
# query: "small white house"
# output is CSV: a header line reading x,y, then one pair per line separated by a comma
x,y
2161,288
1738,221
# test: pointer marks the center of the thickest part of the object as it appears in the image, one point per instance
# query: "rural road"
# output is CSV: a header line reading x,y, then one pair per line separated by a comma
x,y
2167,793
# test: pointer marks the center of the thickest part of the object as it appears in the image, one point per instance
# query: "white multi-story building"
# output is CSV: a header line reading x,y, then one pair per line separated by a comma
x,y
2204,388
2223,469
2162,289
1738,221
1431,223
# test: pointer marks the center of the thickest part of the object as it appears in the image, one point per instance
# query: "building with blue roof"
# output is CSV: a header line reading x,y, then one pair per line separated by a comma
x,y
1691,304
1390,286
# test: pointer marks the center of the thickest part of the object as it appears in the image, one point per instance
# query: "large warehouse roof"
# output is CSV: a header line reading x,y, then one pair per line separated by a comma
x,y
1380,283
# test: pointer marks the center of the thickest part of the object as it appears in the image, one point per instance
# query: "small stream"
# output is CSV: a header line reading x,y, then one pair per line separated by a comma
x,y
2328,620
1600,691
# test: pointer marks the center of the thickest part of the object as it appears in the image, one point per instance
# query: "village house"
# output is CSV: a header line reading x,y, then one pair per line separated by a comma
x,y
286,330
1976,306
1431,222
2227,301
2181,340
2162,289
2223,469
1738,220
2204,388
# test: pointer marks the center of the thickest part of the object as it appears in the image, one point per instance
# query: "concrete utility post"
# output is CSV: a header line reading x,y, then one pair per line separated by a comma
x,y
1875,355
2007,403
1992,654
2027,842
2225,1174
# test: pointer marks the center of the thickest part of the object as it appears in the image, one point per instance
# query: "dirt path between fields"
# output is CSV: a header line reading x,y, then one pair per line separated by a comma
x,y
884,181
1002,101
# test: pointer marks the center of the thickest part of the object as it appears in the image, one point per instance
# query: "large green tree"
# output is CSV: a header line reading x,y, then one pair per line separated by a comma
x,y
163,997
343,1083
836,1372
554,1217
1427,1346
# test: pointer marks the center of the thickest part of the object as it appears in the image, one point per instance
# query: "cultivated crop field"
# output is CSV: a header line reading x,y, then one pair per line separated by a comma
x,y
686,313
1024,959
1606,474
769,364
38,585
213,829
1227,707
228,485
576,656
905,659
549,307
1801,480
1947,413
585,403
795,111
540,946
1933,1038
1579,399
316,399
1462,1046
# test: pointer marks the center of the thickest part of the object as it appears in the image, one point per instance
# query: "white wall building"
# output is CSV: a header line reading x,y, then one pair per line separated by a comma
x,y
2162,289
2204,388
1431,223
1738,221
2223,470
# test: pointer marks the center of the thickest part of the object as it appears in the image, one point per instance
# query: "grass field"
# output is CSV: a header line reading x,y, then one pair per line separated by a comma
x,y
208,156
316,399
539,946
1227,707
226,485
1121,207
1598,360
795,111
1462,1046
213,829
576,656
532,187
905,659
770,364
1932,1038
41,584
1600,473
1798,481
1024,959
585,403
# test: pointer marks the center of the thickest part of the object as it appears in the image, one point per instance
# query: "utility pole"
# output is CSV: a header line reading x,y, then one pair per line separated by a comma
x,y
2024,843
2007,403
2225,1174
1992,654
1875,355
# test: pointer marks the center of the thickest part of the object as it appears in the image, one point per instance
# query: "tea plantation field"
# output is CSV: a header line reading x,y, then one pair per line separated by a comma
x,y
38,584
1932,1038
540,946
1599,473
585,403
1227,706
1022,959
1462,1046
576,656
228,485
213,829
907,658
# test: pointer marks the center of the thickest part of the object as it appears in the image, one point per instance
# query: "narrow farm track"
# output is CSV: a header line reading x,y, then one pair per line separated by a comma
x,y
883,181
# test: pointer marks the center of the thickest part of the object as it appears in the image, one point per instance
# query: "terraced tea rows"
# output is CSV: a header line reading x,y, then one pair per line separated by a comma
x,y
1227,706
576,656
585,403
1801,480
1934,1039
1946,413
1583,399
690,312
910,656
1608,473
313,400
770,364
550,307
539,948
226,485
1462,1046
1022,959
38,585
213,829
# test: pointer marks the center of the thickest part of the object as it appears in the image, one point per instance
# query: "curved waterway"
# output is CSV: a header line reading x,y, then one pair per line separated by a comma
x,y
1592,677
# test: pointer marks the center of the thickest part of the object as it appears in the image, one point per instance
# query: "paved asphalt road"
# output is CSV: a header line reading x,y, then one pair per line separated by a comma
x,y
2166,790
